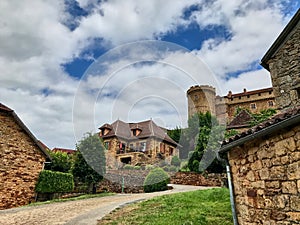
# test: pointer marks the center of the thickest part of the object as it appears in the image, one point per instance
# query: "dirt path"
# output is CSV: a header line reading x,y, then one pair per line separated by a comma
x,y
86,211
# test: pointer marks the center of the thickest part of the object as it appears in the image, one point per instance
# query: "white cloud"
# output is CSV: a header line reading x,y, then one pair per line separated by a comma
x,y
35,42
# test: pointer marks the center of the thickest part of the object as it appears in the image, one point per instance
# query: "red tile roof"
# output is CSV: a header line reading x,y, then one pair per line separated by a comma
x,y
241,120
65,150
148,129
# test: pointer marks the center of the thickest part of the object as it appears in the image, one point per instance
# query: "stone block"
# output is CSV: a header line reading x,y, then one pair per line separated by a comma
x,y
293,171
298,185
295,202
257,165
285,159
258,184
281,201
289,187
278,215
264,173
294,216
294,157
277,173
285,145
250,176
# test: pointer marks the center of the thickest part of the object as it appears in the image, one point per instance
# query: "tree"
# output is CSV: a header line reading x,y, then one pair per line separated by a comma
x,y
207,136
89,164
175,161
60,162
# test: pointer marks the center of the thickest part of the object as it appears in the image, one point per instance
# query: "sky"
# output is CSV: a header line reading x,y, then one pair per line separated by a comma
x,y
68,67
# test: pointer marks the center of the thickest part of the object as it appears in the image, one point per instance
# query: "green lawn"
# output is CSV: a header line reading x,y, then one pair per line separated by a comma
x,y
209,207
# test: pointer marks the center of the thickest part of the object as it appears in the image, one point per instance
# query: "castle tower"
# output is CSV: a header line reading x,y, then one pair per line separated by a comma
x,y
201,99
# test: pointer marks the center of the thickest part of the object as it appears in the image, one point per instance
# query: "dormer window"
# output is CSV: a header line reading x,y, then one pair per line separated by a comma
x,y
136,130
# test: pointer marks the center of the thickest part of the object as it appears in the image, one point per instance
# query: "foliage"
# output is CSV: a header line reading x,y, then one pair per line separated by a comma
x,y
175,161
149,167
209,207
230,133
137,167
61,162
262,116
207,142
53,182
89,163
128,167
175,134
156,180
184,166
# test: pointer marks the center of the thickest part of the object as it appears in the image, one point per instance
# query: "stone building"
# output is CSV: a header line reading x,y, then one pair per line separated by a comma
x,y
136,143
202,98
265,160
22,158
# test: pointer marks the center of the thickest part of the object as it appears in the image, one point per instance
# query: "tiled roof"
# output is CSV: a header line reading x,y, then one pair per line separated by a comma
x,y
5,108
284,119
148,129
27,131
241,120
245,93
68,151
281,39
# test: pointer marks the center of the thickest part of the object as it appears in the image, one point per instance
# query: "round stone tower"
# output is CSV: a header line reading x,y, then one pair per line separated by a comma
x,y
201,99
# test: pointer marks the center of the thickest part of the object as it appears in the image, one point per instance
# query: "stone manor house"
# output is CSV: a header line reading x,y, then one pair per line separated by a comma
x,y
136,143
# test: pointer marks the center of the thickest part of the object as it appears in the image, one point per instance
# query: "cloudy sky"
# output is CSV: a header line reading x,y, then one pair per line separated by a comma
x,y
67,67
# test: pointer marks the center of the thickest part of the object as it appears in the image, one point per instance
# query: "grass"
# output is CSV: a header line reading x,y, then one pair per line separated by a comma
x,y
205,207
86,196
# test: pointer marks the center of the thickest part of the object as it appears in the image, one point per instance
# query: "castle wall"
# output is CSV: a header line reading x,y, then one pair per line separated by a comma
x,y
201,99
285,71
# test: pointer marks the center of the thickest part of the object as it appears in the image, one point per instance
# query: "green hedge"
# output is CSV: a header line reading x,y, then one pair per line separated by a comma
x,y
156,180
54,182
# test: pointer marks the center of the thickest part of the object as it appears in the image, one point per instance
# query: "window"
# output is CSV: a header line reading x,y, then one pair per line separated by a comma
x,y
106,145
143,146
253,106
171,150
259,94
270,103
134,132
131,146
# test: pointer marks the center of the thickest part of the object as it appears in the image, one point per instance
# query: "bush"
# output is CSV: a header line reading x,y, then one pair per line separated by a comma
x,y
54,182
156,180
128,167
173,169
149,167
175,161
137,167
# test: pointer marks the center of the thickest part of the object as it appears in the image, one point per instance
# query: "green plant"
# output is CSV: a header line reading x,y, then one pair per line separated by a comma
x,y
149,167
156,180
128,167
60,161
137,167
53,182
89,163
175,161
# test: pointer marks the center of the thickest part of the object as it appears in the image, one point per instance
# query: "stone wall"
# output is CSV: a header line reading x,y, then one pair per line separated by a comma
x,y
285,72
21,163
134,179
196,179
266,177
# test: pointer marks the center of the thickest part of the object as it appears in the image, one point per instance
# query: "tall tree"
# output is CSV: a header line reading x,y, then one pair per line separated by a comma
x,y
89,164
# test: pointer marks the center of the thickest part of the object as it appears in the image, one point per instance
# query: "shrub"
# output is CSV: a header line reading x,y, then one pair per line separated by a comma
x,y
156,180
137,167
173,169
175,161
128,167
149,167
53,182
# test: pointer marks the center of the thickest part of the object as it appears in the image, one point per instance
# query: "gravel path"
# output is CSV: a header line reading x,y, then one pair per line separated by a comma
x,y
86,211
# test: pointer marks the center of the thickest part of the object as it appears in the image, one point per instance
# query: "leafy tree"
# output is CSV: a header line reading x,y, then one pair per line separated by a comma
x,y
60,162
207,141
89,164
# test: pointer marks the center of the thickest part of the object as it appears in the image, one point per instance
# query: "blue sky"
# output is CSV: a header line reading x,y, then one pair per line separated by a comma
x,y
66,66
